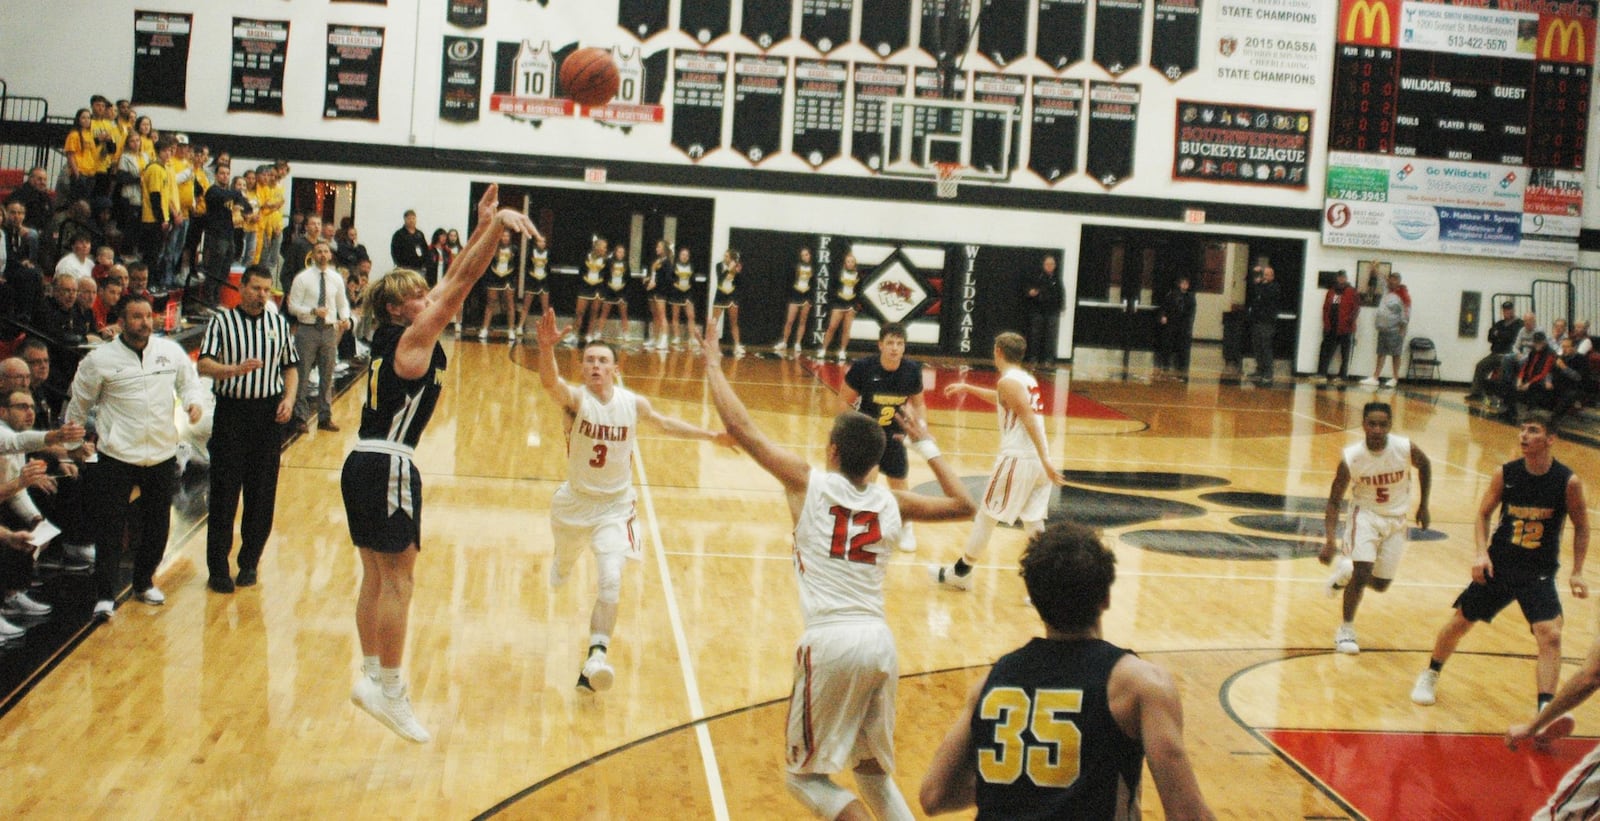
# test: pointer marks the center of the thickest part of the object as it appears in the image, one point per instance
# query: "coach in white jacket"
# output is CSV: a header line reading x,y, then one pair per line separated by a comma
x,y
130,382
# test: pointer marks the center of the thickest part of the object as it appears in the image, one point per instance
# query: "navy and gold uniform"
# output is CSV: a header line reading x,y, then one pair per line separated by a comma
x,y
537,280
1526,546
727,292
616,291
594,276
800,289
655,285
503,267
381,486
1047,744
882,393
846,293
681,291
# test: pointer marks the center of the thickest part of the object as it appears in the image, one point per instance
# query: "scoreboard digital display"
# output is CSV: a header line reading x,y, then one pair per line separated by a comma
x,y
1490,94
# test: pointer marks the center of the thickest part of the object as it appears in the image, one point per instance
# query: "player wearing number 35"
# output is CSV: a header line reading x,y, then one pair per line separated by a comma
x,y
841,714
1061,726
595,506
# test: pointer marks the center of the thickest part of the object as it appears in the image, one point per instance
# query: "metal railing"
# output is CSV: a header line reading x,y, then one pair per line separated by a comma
x,y
25,156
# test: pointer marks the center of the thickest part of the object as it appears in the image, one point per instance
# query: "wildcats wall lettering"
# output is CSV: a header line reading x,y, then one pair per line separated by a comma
x,y
969,295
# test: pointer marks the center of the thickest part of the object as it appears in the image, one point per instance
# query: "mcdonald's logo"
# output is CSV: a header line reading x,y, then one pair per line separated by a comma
x,y
1565,39
1368,22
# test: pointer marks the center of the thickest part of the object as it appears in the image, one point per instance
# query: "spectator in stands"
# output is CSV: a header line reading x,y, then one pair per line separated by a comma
x,y
1502,336
18,515
21,242
160,204
137,275
1041,298
244,234
74,551
297,250
333,236
225,208
1572,385
317,301
104,260
126,116
49,393
350,253
1581,343
83,156
409,246
128,192
56,317
147,140
1557,332
105,305
181,166
1393,317
270,201
138,443
1263,301
108,137
77,262
36,197
1340,307
1535,386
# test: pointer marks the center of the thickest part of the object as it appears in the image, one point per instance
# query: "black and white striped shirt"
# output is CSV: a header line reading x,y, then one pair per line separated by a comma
x,y
232,336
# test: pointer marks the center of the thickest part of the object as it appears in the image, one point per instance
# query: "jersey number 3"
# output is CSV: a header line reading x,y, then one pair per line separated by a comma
x,y
1053,760
854,548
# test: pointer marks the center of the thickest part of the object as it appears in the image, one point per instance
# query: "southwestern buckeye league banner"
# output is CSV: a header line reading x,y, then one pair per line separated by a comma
x,y
1225,142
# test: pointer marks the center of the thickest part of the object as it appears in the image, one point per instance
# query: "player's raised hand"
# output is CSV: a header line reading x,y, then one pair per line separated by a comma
x,y
709,346
956,389
549,333
488,203
515,220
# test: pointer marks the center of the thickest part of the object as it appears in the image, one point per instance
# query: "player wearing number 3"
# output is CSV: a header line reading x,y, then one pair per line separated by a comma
x,y
1060,725
1534,495
1378,473
841,713
595,506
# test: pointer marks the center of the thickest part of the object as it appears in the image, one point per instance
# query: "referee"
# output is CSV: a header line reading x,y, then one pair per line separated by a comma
x,y
250,353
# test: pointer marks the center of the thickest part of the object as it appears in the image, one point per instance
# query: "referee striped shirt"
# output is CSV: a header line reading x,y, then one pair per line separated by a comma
x,y
233,336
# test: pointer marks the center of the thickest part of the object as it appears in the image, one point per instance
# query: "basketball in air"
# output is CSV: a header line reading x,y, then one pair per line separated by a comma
x,y
589,77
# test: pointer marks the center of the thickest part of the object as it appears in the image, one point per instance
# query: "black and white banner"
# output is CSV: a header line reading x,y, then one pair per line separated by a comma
x,y
875,86
1057,113
766,22
259,50
1118,34
704,20
1063,24
699,94
825,24
355,59
461,79
817,124
885,25
758,105
993,149
642,18
1003,35
1113,121
468,14
161,58
1175,41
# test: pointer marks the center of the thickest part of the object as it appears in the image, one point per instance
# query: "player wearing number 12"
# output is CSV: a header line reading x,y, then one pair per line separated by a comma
x,y
1060,726
841,712
595,506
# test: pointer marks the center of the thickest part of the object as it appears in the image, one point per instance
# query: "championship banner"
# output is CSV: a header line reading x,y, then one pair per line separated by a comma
x,y
989,128
1003,37
1275,43
1062,27
817,123
928,84
468,14
1113,117
874,86
885,25
1118,29
1175,38
1057,111
758,105
355,59
704,20
825,24
161,58
699,95
643,18
1224,142
766,22
461,79
259,50
944,34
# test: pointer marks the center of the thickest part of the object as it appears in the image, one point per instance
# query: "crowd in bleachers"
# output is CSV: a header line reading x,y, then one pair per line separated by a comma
x,y
1529,368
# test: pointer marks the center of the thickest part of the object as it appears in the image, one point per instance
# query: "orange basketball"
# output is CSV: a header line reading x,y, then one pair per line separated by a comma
x,y
589,77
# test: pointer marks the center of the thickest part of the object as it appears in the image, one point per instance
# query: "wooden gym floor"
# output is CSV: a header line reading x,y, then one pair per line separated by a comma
x,y
237,706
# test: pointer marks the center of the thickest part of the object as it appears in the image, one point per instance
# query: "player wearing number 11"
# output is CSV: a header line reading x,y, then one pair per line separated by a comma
x,y
841,712
1060,725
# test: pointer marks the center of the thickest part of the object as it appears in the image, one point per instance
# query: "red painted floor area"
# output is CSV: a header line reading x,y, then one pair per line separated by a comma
x,y
1392,775
1077,406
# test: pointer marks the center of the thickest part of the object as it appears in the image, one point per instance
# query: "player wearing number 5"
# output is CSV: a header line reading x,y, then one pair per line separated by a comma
x,y
1534,495
1061,725
1378,473
841,713
595,507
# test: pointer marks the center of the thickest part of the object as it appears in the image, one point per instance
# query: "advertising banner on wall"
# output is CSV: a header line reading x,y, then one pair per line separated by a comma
x,y
355,60
461,79
1113,124
1224,142
161,58
1057,111
259,50
817,123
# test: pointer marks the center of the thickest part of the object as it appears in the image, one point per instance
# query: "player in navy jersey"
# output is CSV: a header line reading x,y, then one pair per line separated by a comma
x,y
1061,726
1534,495
382,489
878,386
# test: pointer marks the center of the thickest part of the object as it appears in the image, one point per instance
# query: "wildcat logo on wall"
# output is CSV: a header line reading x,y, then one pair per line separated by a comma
x,y
527,86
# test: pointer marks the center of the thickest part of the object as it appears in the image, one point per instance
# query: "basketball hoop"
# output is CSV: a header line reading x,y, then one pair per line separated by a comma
x,y
947,179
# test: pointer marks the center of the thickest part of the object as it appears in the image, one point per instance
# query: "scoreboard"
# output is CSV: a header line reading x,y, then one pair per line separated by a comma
x,y
1495,91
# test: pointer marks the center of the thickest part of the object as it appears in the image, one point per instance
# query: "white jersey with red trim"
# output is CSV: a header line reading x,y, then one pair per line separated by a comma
x,y
600,443
1014,440
1381,481
843,540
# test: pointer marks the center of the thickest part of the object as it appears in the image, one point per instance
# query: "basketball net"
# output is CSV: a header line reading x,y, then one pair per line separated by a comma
x,y
946,180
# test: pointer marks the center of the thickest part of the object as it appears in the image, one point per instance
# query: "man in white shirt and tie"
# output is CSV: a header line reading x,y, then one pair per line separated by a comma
x,y
319,305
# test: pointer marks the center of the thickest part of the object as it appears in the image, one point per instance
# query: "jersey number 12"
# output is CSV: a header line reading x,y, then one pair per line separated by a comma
x,y
854,548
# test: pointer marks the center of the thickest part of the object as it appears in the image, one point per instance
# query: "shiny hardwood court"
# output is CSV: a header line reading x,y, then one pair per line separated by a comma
x,y
238,706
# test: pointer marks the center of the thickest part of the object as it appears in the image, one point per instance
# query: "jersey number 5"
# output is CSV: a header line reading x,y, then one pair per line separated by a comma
x,y
854,548
1053,761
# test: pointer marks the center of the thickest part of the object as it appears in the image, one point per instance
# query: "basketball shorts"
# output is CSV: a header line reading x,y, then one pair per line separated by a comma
x,y
1534,593
1381,540
1578,795
1018,488
382,500
605,524
893,464
842,709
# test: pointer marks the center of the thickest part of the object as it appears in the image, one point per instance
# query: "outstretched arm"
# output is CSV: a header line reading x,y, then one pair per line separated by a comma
x,y
549,376
1159,713
952,780
673,426
956,503
788,468
1425,480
